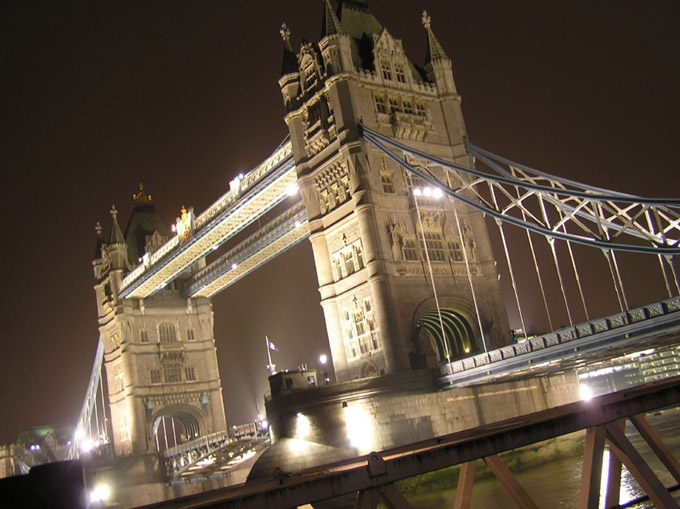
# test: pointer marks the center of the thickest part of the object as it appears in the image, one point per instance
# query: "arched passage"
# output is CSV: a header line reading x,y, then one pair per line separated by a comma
x,y
460,334
173,426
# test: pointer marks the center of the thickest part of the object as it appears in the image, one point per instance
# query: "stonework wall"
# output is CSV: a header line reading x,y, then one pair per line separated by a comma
x,y
349,419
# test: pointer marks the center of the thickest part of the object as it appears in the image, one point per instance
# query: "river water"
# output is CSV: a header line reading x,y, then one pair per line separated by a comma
x,y
556,485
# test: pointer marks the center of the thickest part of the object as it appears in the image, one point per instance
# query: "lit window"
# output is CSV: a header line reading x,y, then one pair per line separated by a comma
x,y
408,107
394,105
420,109
155,375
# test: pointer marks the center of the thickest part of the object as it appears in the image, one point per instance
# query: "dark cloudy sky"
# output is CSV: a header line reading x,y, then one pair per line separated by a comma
x,y
183,95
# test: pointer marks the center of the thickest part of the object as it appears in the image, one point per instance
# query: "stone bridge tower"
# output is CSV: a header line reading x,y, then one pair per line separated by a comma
x,y
161,374
376,249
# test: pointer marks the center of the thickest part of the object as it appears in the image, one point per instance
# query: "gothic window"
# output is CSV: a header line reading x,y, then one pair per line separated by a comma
x,y
347,261
361,334
394,105
399,73
410,250
144,336
167,333
190,334
380,104
435,246
155,375
408,107
455,252
172,373
386,70
387,183
420,109
189,374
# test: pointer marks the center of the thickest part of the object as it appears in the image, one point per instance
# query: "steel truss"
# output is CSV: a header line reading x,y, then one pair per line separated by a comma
x,y
554,207
272,239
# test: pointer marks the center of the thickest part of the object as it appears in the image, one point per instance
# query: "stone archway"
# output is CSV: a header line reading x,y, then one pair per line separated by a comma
x,y
175,424
368,370
456,334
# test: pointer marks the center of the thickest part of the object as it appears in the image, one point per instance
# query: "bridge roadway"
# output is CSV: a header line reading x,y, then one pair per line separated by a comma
x,y
375,474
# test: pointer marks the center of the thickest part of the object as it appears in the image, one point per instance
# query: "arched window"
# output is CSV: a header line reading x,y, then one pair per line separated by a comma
x,y
167,333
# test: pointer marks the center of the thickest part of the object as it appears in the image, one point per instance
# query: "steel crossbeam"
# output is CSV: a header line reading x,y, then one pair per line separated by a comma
x,y
269,241
264,194
548,205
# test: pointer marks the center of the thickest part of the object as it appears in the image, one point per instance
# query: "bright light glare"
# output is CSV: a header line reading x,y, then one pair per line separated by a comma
x,y
359,427
586,393
233,266
467,350
427,191
437,193
100,493
297,224
303,427
87,445
417,191
323,359
292,189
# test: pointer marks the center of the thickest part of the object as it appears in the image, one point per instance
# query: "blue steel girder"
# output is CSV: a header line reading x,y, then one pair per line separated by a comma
x,y
272,239
248,199
553,207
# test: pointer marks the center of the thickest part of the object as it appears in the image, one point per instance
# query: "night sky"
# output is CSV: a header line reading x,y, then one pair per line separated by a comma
x,y
97,97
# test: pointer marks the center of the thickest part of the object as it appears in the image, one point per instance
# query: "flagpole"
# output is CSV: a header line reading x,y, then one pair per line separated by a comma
x,y
269,354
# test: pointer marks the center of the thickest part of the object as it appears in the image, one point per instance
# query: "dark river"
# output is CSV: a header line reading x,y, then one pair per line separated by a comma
x,y
556,485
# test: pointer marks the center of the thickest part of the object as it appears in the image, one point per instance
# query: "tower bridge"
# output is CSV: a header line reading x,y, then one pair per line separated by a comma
x,y
378,173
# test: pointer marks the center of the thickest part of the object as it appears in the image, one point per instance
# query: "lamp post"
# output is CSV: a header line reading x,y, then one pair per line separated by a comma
x,y
324,372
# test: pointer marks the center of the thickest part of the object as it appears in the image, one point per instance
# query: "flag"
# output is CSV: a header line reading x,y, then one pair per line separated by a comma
x,y
272,346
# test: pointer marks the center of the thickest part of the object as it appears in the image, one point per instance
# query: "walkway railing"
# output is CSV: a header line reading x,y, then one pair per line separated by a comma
x,y
561,344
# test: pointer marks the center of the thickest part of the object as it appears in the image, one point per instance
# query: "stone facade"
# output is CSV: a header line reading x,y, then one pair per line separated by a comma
x,y
159,353
376,250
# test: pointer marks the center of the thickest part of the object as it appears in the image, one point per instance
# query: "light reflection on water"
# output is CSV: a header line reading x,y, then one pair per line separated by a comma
x,y
556,485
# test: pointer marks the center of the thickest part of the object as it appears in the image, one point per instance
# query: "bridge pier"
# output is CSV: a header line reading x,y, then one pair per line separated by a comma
x,y
348,419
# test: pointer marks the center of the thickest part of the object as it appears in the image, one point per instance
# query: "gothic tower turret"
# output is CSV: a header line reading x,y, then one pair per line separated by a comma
x,y
161,374
394,269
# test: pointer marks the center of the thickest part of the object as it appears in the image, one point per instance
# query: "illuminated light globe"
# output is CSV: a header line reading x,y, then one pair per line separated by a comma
x,y
586,393
100,494
437,193
292,189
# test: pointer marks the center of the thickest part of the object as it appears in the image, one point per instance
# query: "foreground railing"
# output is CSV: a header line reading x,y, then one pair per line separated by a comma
x,y
373,477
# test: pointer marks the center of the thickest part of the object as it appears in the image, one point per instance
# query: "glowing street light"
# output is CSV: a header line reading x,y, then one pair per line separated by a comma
x,y
323,359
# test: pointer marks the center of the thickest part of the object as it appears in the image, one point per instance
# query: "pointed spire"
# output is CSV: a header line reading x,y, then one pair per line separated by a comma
x,y
290,63
116,236
434,49
330,24
100,242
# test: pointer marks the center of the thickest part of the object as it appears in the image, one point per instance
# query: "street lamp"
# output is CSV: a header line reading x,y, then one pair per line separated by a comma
x,y
324,372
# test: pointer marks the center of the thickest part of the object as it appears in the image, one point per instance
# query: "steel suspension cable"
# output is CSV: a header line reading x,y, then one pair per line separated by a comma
x,y
499,223
576,276
537,269
429,265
